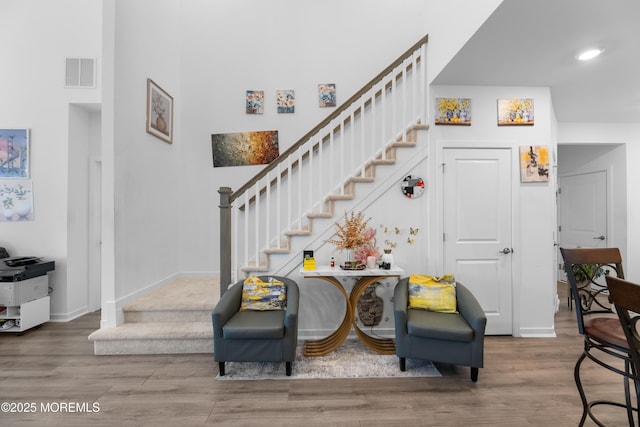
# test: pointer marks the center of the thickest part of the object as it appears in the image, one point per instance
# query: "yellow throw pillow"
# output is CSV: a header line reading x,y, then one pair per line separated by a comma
x,y
262,296
433,293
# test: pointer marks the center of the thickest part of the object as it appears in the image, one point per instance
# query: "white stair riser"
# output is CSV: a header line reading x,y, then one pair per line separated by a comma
x,y
154,346
169,316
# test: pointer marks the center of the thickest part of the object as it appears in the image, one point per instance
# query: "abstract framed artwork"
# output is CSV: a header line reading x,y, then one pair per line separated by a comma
x,y
244,148
515,112
453,111
254,102
14,153
286,100
327,94
159,112
534,163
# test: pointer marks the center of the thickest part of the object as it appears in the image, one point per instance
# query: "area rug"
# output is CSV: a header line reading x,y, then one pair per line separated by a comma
x,y
351,360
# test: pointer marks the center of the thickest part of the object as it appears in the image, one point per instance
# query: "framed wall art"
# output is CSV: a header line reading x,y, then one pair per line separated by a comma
x,y
244,148
16,200
534,163
515,112
327,94
159,112
453,111
14,153
254,102
286,100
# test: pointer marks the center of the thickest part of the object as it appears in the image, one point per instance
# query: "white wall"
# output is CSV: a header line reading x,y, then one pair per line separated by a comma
x,y
629,136
612,158
534,287
37,36
159,202
233,46
147,188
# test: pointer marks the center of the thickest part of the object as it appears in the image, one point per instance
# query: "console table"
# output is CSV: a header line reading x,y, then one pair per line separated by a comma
x,y
364,279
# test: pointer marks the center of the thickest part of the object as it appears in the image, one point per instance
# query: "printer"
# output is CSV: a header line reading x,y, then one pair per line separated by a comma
x,y
23,279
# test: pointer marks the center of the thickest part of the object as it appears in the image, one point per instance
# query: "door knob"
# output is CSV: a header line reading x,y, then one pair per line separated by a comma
x,y
506,251
599,238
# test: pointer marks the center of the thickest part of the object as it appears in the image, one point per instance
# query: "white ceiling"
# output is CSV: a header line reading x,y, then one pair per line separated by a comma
x,y
534,43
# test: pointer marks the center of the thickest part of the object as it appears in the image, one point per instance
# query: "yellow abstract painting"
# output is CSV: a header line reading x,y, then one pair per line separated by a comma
x,y
534,163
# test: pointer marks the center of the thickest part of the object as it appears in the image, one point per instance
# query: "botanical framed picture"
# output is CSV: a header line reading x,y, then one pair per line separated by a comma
x,y
14,153
159,112
16,200
327,94
453,111
515,112
254,102
534,163
286,100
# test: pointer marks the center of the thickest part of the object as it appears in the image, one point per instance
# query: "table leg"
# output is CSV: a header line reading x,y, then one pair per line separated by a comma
x,y
327,345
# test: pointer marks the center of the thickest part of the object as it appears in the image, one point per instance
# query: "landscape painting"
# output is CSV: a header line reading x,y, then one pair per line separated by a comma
x,y
244,148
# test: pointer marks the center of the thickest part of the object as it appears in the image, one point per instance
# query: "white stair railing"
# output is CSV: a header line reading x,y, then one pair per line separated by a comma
x,y
305,181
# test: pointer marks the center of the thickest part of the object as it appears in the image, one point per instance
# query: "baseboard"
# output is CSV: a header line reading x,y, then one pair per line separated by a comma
x,y
536,333
67,317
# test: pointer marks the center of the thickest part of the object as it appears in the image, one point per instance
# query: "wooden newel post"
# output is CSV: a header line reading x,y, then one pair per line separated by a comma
x,y
225,238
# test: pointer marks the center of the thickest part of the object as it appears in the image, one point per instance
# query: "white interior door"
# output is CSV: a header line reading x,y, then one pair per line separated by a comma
x,y
582,204
477,218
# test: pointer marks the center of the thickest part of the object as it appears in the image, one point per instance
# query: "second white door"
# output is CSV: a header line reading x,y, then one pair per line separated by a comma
x,y
477,223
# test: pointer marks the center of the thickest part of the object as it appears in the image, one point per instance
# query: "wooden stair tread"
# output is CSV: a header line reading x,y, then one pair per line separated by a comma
x,y
383,161
277,250
320,215
407,144
362,179
340,197
298,232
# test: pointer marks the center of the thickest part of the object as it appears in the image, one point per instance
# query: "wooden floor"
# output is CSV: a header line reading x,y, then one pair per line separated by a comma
x,y
52,377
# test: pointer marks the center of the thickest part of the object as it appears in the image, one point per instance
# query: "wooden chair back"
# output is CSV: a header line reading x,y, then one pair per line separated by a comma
x,y
625,296
586,270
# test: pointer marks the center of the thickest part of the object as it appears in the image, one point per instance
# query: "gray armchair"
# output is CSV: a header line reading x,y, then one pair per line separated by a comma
x,y
255,336
454,338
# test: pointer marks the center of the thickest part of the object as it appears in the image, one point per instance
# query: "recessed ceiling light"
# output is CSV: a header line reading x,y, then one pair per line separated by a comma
x,y
589,54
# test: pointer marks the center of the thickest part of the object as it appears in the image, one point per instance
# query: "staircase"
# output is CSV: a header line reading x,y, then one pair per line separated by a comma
x,y
175,318
266,223
334,206
347,161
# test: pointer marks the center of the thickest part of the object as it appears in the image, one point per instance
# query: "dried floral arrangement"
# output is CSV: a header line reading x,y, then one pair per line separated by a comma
x,y
353,234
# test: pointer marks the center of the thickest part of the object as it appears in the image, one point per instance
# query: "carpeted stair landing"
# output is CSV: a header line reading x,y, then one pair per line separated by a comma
x,y
175,318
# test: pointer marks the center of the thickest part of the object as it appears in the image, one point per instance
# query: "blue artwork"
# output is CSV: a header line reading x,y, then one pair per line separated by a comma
x,y
14,153
327,94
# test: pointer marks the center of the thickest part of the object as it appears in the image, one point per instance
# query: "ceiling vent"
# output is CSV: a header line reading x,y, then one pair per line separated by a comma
x,y
80,72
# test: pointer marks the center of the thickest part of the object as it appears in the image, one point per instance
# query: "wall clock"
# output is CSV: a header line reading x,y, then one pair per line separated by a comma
x,y
412,186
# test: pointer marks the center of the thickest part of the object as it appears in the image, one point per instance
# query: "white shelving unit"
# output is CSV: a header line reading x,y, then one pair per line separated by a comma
x,y
26,302
26,315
